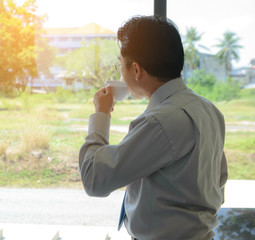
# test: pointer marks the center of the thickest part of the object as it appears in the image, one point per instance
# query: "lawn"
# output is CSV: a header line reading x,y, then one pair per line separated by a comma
x,y
40,138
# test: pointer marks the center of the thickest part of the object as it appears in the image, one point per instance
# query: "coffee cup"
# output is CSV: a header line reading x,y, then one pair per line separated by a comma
x,y
120,90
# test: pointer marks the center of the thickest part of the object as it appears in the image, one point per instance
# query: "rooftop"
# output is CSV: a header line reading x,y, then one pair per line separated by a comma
x,y
89,29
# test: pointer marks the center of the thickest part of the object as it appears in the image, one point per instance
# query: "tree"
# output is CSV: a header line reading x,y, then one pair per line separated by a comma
x,y
94,61
24,52
228,52
191,46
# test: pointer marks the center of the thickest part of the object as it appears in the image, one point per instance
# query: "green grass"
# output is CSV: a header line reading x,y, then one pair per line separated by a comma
x,y
40,137
241,165
240,153
116,137
30,178
241,141
238,110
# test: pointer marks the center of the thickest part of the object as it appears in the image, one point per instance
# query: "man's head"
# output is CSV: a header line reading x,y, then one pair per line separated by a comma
x,y
155,44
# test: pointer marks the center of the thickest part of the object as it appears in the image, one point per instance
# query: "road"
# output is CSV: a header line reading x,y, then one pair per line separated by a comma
x,y
58,206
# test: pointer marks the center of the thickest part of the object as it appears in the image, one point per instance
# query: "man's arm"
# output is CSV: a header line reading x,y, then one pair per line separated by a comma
x,y
105,168
99,125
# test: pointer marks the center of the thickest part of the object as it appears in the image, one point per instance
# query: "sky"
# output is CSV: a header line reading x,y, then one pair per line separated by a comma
x,y
210,17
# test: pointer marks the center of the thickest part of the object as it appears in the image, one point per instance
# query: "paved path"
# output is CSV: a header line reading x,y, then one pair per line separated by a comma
x,y
240,126
58,206
230,127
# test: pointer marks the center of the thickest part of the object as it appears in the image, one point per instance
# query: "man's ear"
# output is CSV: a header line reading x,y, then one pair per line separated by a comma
x,y
137,70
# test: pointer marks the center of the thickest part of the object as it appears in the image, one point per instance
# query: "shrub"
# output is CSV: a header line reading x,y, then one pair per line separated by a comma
x,y
61,95
3,148
227,91
35,139
83,96
203,79
27,101
206,85
9,104
247,93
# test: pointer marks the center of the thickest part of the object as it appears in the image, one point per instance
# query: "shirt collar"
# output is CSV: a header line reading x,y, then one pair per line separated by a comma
x,y
165,91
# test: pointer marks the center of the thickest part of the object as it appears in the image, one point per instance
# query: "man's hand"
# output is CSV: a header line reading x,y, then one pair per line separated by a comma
x,y
103,100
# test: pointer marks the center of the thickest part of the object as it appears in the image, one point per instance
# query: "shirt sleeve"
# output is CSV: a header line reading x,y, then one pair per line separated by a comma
x,y
105,168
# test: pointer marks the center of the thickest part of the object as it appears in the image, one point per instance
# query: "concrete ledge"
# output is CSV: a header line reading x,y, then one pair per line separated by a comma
x,y
63,232
239,194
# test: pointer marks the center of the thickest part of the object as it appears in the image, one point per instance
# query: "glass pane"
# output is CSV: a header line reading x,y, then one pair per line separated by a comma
x,y
50,69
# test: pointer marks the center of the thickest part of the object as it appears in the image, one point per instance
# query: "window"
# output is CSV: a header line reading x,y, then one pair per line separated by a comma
x,y
39,152
69,81
63,39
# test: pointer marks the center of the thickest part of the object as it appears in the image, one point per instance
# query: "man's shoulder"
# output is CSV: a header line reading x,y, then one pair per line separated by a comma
x,y
191,101
167,112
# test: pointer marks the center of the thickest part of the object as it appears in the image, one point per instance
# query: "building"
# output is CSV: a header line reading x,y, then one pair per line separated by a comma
x,y
245,75
65,40
68,39
210,64
70,81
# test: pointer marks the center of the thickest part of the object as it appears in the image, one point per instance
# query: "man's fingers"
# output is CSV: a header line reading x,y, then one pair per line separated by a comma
x,y
109,89
103,100
103,90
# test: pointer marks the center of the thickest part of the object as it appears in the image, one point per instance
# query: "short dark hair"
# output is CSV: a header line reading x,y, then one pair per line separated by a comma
x,y
154,43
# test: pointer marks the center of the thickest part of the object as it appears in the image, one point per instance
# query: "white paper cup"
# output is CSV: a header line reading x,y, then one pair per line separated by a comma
x,y
120,90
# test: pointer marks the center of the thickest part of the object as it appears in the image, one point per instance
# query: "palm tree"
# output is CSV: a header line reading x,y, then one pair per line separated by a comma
x,y
228,52
190,43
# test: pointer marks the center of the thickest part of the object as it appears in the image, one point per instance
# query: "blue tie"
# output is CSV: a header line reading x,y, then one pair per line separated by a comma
x,y
122,213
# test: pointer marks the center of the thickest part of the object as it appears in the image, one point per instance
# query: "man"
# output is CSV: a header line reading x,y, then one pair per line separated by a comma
x,y
171,161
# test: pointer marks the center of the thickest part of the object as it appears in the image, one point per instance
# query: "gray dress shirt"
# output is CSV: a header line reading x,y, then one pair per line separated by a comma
x,y
171,161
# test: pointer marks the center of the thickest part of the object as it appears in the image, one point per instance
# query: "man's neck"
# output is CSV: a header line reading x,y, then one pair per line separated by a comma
x,y
152,85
